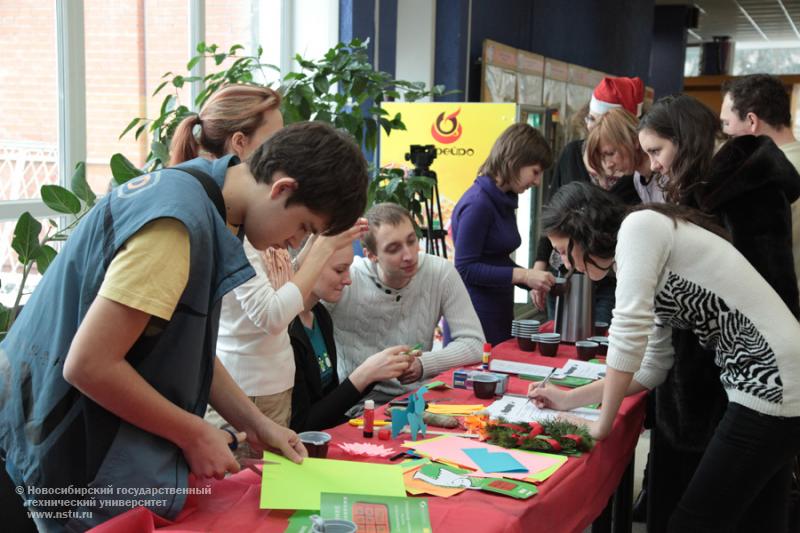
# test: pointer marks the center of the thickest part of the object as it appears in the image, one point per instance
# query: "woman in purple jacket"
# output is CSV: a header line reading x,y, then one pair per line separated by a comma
x,y
485,231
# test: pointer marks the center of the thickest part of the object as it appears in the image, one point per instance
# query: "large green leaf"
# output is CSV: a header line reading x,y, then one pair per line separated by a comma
x,y
26,237
45,257
161,152
122,169
80,187
60,199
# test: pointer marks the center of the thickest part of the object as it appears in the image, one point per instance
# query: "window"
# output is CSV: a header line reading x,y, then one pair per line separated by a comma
x,y
28,122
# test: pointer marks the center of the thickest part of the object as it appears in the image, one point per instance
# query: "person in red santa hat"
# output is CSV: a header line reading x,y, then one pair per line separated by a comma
x,y
610,93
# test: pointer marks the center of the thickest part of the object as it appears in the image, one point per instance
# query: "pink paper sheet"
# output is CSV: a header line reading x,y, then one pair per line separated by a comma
x,y
450,449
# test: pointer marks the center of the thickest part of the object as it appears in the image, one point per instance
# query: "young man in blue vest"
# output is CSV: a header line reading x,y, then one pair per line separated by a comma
x,y
106,374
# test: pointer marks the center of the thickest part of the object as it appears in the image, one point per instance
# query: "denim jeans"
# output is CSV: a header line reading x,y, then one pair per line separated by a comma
x,y
742,482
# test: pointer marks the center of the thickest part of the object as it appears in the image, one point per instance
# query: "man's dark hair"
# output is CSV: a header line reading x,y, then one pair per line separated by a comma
x,y
380,214
330,170
763,95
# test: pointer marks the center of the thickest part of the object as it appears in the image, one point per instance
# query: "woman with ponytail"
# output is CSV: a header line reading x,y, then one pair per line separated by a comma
x,y
674,269
253,341
236,119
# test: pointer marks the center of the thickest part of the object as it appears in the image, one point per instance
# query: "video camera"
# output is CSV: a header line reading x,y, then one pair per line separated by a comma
x,y
421,156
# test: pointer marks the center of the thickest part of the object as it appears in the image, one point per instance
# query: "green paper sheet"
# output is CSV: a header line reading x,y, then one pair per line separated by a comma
x,y
401,515
287,485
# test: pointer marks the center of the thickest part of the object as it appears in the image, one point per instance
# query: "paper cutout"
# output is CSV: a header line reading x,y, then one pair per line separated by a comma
x,y
494,462
416,486
445,481
365,449
510,487
451,449
411,415
287,485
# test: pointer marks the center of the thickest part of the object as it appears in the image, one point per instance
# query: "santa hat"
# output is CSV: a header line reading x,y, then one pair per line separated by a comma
x,y
627,93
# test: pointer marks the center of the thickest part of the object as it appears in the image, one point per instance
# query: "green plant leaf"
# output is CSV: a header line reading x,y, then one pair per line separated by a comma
x,y
160,151
219,58
130,126
60,199
122,169
193,62
79,185
177,81
26,237
160,86
45,257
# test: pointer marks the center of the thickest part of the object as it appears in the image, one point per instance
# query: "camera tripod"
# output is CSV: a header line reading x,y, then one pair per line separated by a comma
x,y
435,235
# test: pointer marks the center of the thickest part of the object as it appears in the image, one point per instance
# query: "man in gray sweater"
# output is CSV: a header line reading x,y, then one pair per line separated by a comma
x,y
397,296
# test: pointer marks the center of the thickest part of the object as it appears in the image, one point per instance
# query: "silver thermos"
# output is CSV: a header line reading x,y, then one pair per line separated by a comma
x,y
574,310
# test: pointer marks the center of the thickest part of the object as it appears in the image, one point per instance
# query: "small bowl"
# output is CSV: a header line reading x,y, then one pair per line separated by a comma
x,y
547,337
602,349
484,385
526,344
560,288
586,349
316,443
601,328
548,348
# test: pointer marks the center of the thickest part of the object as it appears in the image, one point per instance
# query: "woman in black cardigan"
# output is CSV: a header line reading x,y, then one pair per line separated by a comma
x,y
319,401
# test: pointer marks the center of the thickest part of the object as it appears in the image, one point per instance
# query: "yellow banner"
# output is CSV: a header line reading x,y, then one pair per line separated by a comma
x,y
463,134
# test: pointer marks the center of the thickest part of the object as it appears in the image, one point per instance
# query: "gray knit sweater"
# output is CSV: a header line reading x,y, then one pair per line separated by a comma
x,y
371,317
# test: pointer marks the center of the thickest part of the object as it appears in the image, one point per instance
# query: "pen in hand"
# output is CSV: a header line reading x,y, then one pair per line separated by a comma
x,y
543,382
546,380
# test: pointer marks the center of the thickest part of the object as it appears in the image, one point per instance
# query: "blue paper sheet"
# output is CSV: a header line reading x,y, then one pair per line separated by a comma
x,y
494,462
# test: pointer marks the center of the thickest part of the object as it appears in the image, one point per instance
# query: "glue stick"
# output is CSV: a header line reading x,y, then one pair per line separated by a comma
x,y
487,352
369,418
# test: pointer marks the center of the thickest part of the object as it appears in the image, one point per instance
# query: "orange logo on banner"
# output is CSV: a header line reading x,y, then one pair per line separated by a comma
x,y
452,133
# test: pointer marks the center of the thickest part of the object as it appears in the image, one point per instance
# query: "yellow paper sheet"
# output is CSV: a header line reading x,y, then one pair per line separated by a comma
x,y
449,409
287,485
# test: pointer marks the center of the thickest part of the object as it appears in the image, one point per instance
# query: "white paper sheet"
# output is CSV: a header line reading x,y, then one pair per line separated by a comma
x,y
519,409
513,367
580,369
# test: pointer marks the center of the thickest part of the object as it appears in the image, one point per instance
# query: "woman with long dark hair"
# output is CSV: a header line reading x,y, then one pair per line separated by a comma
x,y
675,269
748,187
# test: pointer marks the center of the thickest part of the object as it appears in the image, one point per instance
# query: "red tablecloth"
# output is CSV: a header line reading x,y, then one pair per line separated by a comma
x,y
567,502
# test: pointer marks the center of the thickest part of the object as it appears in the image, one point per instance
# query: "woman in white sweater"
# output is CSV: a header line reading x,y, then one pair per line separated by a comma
x,y
675,270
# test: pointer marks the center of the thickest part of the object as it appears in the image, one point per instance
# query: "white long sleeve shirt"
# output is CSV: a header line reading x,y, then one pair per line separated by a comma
x,y
253,341
371,317
680,275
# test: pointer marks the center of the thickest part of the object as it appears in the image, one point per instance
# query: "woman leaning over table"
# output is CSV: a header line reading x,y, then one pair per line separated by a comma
x,y
675,270
748,185
485,231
